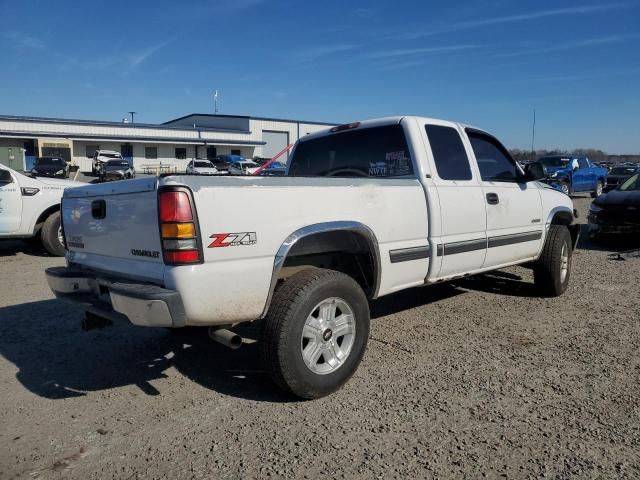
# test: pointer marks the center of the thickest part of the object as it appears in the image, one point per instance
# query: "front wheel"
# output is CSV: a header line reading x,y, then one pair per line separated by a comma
x,y
564,187
51,235
552,270
315,333
598,191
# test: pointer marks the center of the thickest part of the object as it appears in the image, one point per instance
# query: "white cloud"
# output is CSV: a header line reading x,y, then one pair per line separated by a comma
x,y
24,39
485,22
405,52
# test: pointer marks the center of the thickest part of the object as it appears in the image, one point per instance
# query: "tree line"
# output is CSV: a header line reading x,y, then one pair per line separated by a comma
x,y
593,154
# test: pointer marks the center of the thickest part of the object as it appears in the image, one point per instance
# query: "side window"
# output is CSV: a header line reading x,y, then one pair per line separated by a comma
x,y
494,161
583,163
448,153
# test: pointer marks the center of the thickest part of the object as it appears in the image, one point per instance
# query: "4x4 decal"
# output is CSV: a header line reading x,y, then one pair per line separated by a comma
x,y
233,239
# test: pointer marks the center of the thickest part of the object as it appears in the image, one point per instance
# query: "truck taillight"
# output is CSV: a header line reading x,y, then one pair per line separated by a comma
x,y
178,229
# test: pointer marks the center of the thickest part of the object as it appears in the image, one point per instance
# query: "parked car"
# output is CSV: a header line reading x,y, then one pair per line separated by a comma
x,y
243,167
275,169
222,163
572,174
617,211
30,207
103,156
116,170
201,167
368,209
617,175
54,167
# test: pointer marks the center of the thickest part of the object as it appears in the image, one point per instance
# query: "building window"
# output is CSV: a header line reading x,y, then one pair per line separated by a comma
x,y
211,153
91,150
235,152
181,153
151,153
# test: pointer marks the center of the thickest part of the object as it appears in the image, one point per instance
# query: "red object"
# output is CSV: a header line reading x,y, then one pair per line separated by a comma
x,y
181,256
175,207
278,155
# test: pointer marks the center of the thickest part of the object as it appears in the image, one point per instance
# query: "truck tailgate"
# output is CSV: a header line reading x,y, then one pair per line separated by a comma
x,y
113,227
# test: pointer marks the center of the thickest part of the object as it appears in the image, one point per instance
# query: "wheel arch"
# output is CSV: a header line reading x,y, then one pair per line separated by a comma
x,y
339,238
43,216
565,216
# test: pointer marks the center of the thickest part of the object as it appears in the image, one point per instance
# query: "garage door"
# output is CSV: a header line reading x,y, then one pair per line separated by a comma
x,y
276,141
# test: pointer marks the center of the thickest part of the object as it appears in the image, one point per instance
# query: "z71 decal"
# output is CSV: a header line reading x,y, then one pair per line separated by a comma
x,y
233,239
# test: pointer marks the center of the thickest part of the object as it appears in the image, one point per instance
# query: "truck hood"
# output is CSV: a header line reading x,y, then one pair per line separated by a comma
x,y
59,182
618,197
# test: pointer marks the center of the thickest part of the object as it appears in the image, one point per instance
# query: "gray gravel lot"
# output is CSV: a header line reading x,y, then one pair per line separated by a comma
x,y
477,378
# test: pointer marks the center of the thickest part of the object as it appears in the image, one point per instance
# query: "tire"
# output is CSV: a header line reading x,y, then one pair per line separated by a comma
x,y
294,323
598,191
552,270
50,235
565,188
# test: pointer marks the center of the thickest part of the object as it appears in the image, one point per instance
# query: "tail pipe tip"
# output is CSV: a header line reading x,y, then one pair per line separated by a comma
x,y
225,337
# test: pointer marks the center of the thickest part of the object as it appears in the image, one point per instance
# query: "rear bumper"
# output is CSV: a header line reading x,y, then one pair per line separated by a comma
x,y
140,303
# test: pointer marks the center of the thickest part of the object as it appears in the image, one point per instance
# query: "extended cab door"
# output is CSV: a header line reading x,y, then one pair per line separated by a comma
x,y
10,202
514,208
459,229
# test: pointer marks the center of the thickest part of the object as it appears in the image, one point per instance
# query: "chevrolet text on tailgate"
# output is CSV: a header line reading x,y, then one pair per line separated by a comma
x,y
365,210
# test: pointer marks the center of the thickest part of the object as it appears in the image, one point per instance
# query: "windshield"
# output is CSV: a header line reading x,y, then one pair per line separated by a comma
x,y
49,161
110,155
554,161
117,163
622,171
632,184
203,165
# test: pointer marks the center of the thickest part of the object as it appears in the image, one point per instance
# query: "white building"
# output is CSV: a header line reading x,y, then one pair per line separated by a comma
x,y
171,143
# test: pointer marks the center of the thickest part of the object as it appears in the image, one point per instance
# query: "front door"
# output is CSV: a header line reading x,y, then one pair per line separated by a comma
x,y
514,208
461,240
10,204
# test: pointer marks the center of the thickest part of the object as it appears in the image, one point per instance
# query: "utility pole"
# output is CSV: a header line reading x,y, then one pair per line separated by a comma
x,y
215,102
533,135
132,114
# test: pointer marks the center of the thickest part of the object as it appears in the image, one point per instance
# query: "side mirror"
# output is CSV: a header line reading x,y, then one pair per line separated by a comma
x,y
5,176
533,172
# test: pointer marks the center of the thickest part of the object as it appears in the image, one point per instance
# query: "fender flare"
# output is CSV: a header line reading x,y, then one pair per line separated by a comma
x,y
308,230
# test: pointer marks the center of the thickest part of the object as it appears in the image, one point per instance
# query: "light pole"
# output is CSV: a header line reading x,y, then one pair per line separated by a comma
x,y
132,114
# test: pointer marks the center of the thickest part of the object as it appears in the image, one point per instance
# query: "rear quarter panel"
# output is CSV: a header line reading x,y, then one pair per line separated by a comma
x,y
233,283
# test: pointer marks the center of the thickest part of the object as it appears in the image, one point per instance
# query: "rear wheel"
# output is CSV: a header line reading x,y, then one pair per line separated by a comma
x,y
552,270
51,235
598,191
315,333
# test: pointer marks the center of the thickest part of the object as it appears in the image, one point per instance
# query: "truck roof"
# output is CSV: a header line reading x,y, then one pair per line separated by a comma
x,y
379,122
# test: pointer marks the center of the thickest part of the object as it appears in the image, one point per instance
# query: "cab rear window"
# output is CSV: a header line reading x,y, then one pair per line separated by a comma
x,y
368,152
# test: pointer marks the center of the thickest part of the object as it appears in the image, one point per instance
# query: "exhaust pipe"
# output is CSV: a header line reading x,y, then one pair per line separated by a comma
x,y
225,337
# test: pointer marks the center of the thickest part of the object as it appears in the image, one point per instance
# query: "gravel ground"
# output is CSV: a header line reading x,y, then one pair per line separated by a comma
x,y
477,378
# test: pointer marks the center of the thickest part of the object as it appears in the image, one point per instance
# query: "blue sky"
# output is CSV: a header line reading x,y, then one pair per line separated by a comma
x,y
488,63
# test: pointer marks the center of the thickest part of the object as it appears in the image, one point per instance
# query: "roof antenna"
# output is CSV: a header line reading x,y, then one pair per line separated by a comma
x,y
215,102
533,135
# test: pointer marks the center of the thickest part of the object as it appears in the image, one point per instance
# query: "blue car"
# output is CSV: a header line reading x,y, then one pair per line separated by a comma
x,y
275,169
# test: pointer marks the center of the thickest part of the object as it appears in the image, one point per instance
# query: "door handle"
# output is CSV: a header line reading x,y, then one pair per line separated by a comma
x,y
493,199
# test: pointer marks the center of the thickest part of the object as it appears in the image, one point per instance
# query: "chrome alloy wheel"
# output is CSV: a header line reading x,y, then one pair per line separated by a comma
x,y
328,336
60,235
564,263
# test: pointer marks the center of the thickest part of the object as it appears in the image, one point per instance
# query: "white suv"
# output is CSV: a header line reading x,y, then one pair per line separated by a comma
x,y
103,156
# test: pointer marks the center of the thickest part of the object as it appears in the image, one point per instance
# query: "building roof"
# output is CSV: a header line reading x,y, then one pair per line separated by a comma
x,y
102,123
248,117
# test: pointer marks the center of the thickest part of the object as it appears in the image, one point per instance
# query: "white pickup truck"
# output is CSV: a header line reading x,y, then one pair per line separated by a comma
x,y
30,208
366,209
